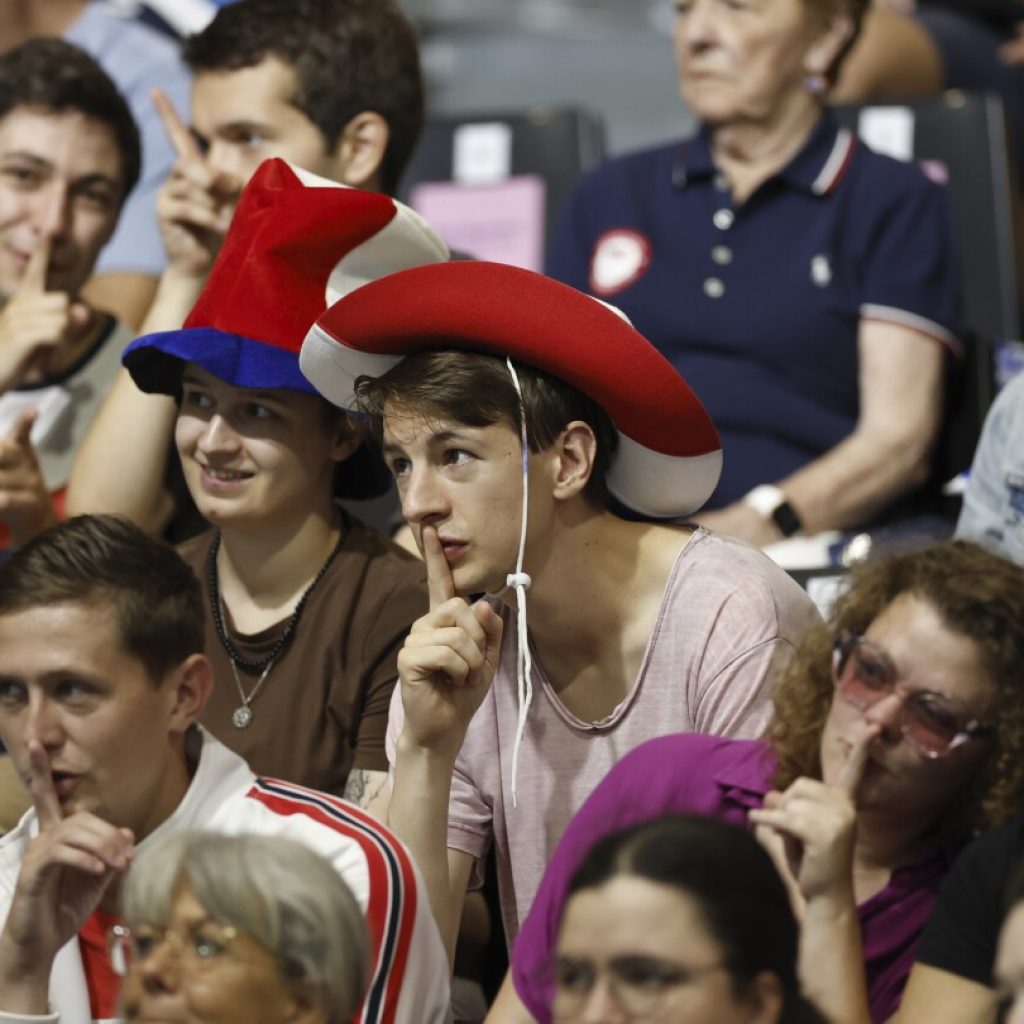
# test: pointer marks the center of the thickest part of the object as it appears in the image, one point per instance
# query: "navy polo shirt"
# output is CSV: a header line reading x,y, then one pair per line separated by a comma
x,y
758,305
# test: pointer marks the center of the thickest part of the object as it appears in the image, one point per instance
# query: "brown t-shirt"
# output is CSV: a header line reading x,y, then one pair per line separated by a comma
x,y
323,708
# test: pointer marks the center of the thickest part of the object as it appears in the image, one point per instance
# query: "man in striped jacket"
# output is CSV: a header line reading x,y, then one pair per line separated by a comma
x,y
102,681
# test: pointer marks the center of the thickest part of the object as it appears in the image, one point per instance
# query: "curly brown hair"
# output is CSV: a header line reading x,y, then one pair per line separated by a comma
x,y
979,596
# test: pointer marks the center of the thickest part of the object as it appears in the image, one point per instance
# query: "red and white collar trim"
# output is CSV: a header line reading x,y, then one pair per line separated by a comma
x,y
835,166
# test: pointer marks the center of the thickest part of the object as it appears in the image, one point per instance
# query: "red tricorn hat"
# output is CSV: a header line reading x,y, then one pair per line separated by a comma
x,y
669,456
297,243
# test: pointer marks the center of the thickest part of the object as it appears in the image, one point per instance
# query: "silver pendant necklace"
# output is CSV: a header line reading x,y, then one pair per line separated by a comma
x,y
242,716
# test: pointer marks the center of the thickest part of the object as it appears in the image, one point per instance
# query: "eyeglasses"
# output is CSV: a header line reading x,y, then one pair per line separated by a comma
x,y
199,945
638,984
936,725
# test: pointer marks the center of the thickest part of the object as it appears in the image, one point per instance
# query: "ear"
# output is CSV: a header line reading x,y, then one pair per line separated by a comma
x,y
834,34
189,687
300,1009
765,996
575,450
360,150
346,437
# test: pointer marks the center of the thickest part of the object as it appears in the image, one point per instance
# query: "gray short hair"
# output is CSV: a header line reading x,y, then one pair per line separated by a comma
x,y
276,891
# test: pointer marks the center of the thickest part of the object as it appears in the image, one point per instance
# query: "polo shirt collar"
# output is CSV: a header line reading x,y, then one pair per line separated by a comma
x,y
693,161
817,168
820,165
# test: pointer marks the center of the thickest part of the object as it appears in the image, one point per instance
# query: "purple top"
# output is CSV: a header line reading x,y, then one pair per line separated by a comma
x,y
724,778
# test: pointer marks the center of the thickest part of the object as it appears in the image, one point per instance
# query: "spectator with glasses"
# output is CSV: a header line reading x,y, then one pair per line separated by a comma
x,y
246,928
681,918
898,730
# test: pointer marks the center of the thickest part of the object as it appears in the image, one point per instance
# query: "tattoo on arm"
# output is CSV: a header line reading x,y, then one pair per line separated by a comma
x,y
365,788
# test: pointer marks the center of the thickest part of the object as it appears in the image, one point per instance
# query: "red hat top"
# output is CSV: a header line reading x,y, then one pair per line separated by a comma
x,y
297,242
669,456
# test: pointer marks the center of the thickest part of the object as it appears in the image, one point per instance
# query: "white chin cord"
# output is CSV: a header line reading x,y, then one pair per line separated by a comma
x,y
520,581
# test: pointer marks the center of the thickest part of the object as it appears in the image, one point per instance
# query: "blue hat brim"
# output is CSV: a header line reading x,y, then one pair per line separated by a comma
x,y
155,361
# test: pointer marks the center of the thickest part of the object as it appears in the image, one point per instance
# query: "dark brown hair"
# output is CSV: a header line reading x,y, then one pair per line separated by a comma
x,y
477,390
732,880
95,560
349,56
979,596
54,75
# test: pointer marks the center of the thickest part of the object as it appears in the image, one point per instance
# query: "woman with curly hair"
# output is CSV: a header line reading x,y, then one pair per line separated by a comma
x,y
898,731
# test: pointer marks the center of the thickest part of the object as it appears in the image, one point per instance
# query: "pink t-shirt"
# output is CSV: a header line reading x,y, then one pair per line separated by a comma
x,y
728,619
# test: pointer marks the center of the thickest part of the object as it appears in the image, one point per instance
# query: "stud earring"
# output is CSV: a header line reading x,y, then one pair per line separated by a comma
x,y
816,84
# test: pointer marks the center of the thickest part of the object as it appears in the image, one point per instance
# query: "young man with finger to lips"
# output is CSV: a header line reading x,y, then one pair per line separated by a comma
x,y
513,411
102,727
69,156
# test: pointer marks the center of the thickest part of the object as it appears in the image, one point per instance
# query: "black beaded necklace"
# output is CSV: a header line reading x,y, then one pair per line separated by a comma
x,y
216,609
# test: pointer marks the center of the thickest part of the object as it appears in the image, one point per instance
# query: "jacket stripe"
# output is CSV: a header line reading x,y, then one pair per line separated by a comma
x,y
391,907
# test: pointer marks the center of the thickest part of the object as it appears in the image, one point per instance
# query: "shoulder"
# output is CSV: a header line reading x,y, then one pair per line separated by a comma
x,y
363,850
375,577
729,575
878,180
1008,407
677,765
631,169
107,34
371,548
995,854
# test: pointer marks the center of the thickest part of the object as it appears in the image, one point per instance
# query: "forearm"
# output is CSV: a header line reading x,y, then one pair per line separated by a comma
x,y
121,464
832,959
418,815
24,984
858,478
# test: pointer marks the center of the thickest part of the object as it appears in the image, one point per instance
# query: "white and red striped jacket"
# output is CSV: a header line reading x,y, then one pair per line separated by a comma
x,y
410,981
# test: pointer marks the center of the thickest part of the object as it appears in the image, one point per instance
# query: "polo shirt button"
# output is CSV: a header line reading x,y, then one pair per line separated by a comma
x,y
723,219
722,255
713,288
721,183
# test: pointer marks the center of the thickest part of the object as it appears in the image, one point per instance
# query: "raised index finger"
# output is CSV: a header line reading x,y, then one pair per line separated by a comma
x,y
34,278
40,780
177,131
852,771
440,584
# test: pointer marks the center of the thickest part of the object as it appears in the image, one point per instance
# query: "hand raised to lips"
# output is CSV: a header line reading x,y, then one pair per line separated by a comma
x,y
36,324
809,829
66,870
448,660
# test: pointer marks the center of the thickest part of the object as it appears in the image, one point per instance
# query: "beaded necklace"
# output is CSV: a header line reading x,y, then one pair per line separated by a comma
x,y
243,715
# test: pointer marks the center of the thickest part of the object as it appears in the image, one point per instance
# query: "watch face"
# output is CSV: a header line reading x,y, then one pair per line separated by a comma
x,y
786,519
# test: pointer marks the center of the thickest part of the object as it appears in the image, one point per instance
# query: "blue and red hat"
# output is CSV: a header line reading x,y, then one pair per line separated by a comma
x,y
296,244
669,457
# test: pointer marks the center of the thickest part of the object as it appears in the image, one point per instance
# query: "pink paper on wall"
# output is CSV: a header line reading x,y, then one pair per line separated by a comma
x,y
503,222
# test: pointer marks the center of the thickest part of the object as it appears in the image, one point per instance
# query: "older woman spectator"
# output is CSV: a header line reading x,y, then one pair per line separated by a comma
x,y
246,929
898,730
804,285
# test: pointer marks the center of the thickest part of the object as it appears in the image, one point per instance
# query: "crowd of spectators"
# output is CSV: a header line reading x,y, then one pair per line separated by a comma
x,y
259,760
